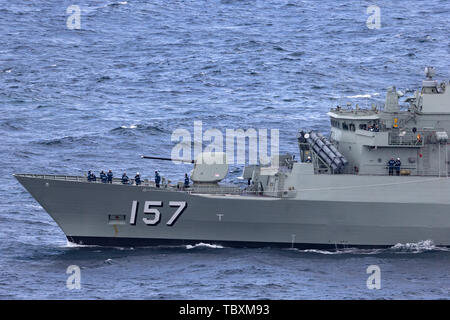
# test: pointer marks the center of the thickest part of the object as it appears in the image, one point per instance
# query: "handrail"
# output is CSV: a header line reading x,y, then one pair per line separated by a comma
x,y
145,182
219,190
406,140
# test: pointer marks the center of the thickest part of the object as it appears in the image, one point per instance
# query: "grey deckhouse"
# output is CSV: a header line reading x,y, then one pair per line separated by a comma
x,y
368,139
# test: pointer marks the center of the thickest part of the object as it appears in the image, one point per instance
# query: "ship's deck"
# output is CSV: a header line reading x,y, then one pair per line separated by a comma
x,y
202,189
342,187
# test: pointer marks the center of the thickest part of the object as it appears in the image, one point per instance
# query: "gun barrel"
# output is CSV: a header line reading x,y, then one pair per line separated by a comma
x,y
167,159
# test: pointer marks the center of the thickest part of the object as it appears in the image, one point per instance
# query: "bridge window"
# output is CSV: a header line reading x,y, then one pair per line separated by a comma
x,y
335,123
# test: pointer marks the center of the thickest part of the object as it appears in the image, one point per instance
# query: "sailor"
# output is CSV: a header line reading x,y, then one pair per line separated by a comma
x,y
125,179
110,176
89,176
391,164
93,177
397,166
157,179
103,176
186,180
308,160
137,178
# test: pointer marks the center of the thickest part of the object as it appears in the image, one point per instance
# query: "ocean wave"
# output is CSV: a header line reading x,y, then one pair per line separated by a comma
x,y
67,140
416,247
103,78
148,129
11,125
119,3
368,95
204,245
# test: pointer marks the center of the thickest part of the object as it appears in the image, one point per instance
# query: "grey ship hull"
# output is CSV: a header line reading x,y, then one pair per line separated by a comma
x,y
334,211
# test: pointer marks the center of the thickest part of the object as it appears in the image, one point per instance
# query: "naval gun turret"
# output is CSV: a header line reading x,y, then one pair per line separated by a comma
x,y
209,167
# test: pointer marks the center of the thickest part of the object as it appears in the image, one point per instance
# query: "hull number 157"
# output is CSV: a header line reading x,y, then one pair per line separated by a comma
x,y
150,207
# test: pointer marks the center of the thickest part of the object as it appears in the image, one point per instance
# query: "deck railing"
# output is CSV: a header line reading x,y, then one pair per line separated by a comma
x,y
214,190
408,139
145,182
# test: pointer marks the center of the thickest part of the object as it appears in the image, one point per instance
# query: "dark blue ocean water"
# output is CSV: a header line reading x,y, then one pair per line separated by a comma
x,y
98,97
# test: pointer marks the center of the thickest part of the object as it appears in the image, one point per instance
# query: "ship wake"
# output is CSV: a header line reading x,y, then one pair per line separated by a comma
x,y
414,247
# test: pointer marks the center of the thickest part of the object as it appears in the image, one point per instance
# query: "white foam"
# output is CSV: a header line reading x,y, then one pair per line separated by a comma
x,y
76,245
133,126
340,251
418,247
368,95
204,245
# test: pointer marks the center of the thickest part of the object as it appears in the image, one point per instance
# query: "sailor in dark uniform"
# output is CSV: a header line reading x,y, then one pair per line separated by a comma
x,y
186,180
157,179
137,179
397,166
391,164
125,179
110,176
103,176
89,176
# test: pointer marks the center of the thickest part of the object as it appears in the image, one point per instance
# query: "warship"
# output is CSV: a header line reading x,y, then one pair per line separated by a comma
x,y
339,192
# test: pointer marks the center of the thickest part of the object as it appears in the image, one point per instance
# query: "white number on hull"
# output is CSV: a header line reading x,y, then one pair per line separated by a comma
x,y
157,218
133,212
147,209
181,206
